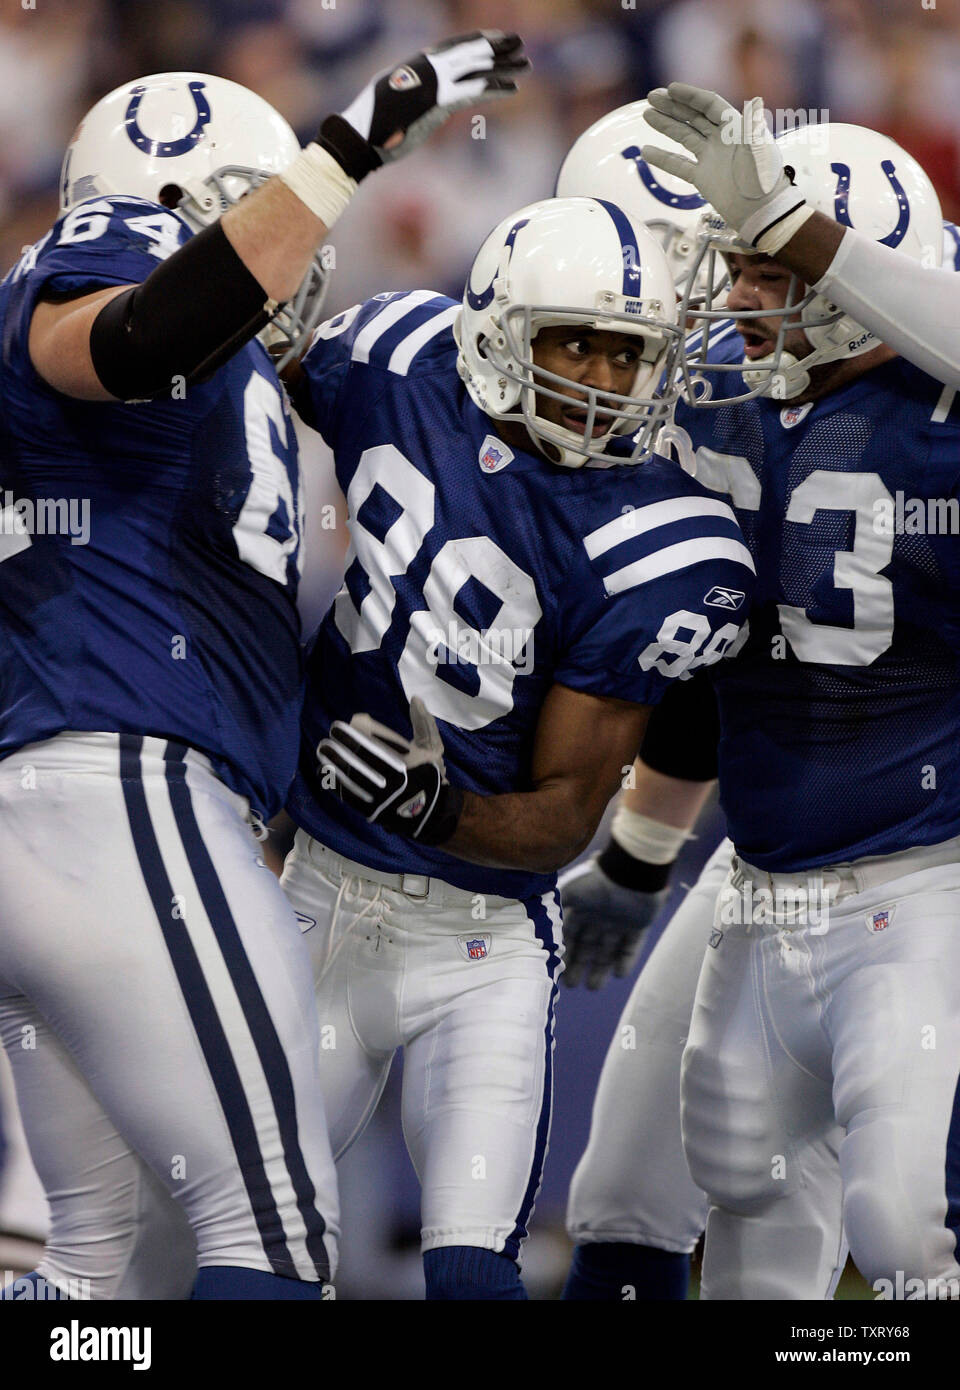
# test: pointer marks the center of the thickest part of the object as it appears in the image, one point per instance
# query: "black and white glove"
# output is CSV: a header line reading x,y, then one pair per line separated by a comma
x,y
736,166
398,782
604,921
414,97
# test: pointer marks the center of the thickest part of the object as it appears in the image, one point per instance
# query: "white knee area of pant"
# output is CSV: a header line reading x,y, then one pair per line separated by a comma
x,y
762,1256
893,1224
135,1243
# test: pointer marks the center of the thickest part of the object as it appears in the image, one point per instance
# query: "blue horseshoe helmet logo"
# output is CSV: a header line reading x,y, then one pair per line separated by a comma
x,y
166,149
686,201
842,198
481,300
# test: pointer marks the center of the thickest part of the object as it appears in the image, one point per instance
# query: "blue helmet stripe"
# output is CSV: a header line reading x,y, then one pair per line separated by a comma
x,y
954,233
628,243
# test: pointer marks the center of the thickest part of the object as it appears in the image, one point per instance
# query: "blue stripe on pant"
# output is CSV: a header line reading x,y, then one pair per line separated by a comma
x,y
952,1174
540,917
203,1014
273,1059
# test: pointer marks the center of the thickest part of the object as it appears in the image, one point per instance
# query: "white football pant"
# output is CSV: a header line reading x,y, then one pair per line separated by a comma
x,y
820,1077
466,984
156,1004
632,1184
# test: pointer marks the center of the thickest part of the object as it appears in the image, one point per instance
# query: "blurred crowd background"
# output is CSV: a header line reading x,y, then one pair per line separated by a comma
x,y
890,64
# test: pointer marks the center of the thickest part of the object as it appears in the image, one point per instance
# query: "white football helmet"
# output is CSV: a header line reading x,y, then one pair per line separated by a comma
x,y
861,179
605,162
196,144
574,261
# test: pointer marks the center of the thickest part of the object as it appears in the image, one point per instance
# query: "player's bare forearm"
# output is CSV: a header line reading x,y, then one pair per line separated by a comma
x,y
538,831
810,251
583,746
275,235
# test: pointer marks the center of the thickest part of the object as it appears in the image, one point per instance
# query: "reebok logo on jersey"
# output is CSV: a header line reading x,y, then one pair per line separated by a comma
x,y
305,923
719,597
403,79
791,415
494,454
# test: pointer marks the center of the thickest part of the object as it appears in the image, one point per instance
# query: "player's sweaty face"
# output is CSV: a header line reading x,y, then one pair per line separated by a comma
x,y
589,357
760,283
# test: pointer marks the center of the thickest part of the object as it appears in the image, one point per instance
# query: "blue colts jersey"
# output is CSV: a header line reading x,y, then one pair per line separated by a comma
x,y
840,715
479,575
148,553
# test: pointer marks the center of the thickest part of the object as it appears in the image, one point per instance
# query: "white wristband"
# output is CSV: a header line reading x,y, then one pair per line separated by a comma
x,y
781,232
647,839
320,183
762,223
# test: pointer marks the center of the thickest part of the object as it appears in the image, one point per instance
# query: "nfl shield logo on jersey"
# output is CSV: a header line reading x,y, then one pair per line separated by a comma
x,y
474,947
791,415
494,454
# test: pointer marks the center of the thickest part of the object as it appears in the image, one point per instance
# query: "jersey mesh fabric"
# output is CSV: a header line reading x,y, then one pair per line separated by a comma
x,y
824,761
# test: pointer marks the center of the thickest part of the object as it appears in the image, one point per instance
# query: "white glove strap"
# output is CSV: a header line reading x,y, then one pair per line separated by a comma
x,y
647,839
765,223
777,237
320,183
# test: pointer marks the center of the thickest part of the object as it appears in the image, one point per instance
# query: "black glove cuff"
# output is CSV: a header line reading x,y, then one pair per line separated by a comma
x,y
446,814
356,156
627,872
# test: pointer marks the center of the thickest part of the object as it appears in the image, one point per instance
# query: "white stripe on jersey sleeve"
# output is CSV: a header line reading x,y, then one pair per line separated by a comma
x,y
718,333
640,519
677,557
386,318
404,353
944,405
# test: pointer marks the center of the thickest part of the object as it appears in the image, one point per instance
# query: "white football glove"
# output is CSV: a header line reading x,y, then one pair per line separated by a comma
x,y
736,166
603,924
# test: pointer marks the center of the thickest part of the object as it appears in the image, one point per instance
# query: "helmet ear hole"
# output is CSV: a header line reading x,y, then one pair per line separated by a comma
x,y
171,195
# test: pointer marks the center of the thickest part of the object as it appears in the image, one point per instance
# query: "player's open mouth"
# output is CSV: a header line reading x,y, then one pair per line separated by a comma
x,y
755,344
576,420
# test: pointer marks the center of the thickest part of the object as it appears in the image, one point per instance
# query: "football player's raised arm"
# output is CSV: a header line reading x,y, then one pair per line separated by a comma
x,y
912,307
221,288
738,167
582,748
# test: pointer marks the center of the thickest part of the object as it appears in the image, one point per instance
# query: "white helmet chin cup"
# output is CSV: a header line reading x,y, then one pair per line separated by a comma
x,y
605,162
859,178
211,139
583,263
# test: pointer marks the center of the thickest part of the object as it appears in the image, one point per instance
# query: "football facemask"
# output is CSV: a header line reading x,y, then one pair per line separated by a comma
x,y
583,264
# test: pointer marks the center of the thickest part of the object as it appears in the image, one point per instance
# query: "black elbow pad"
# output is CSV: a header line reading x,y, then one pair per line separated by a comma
x,y
184,321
